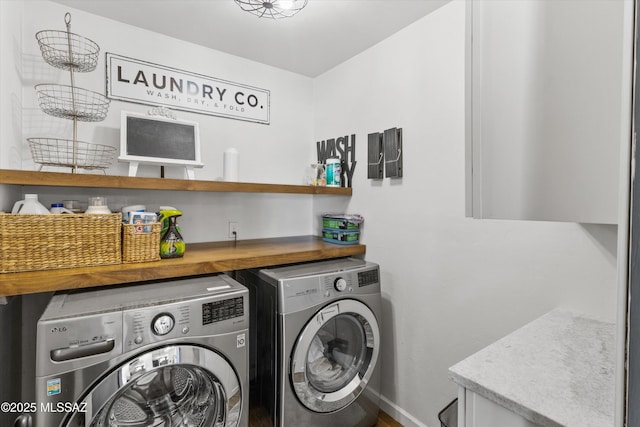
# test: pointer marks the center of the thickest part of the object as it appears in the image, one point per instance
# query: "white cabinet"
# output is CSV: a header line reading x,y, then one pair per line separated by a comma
x,y
477,411
548,106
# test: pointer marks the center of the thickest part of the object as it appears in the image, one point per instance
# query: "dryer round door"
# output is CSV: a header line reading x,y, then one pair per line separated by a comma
x,y
335,355
179,385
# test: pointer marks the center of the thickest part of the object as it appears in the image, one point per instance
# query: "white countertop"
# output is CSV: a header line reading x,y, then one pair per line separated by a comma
x,y
555,371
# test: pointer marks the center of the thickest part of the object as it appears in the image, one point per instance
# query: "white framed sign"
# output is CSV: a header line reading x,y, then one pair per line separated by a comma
x,y
134,80
159,140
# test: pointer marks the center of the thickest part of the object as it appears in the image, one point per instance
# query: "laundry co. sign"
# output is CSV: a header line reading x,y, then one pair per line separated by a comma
x,y
142,82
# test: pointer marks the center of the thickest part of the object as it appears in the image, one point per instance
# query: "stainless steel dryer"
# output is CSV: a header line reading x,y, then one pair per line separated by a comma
x,y
169,354
315,342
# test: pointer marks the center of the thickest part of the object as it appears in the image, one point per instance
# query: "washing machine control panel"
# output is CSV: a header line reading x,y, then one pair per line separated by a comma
x,y
153,324
225,309
147,325
163,323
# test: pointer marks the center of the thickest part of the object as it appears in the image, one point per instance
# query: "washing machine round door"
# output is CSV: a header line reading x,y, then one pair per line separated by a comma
x,y
171,386
335,356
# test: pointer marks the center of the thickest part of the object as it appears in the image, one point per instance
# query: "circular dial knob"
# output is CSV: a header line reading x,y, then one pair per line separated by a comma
x,y
163,324
340,284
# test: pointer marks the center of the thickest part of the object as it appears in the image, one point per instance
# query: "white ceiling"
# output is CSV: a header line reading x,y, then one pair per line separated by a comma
x,y
321,36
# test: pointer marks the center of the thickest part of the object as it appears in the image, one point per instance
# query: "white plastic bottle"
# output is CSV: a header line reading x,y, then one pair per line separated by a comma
x,y
30,205
230,165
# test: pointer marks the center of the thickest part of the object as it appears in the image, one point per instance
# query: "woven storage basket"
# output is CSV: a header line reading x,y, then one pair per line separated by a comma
x,y
40,242
140,247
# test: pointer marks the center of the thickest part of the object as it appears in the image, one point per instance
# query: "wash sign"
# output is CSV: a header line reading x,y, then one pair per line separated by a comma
x,y
133,80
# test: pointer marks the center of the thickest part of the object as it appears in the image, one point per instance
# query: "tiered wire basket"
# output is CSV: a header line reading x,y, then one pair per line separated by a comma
x,y
68,51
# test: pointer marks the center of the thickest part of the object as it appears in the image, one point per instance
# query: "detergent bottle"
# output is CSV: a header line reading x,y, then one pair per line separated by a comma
x,y
30,205
171,243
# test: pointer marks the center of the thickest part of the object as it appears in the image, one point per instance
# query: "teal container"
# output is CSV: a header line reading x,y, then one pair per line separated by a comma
x,y
332,172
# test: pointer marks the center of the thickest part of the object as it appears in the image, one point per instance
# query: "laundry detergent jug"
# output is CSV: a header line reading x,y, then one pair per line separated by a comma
x,y
171,243
30,205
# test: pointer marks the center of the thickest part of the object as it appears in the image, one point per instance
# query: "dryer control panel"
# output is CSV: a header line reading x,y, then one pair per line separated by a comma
x,y
298,293
340,284
368,277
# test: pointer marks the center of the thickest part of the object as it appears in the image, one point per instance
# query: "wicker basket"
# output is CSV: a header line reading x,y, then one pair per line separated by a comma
x,y
41,242
138,246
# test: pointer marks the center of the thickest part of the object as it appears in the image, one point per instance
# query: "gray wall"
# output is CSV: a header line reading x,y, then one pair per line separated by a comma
x,y
10,356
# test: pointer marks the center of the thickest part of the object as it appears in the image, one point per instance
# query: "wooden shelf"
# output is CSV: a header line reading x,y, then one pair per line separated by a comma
x,y
58,179
200,258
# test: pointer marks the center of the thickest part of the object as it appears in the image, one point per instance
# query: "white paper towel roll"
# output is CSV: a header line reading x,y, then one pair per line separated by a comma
x,y
230,165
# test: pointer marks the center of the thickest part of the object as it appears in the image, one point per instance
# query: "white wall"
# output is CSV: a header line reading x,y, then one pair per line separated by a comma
x,y
287,138
274,153
451,285
10,134
10,84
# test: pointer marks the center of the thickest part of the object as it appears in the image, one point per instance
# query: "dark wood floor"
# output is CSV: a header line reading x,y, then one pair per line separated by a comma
x,y
260,418
385,420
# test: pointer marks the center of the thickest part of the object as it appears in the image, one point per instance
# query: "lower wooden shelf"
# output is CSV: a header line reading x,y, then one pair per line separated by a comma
x,y
199,258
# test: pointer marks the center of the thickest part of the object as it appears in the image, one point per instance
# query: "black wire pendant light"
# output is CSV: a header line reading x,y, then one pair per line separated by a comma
x,y
274,9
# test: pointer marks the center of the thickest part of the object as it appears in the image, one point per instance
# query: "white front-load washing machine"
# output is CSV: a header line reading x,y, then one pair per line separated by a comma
x,y
171,354
315,343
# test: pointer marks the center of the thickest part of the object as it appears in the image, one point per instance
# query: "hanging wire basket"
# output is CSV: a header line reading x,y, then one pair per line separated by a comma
x,y
61,152
71,52
70,102
68,51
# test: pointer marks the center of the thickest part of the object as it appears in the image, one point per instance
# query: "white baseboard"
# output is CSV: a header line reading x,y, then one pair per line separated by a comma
x,y
399,414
